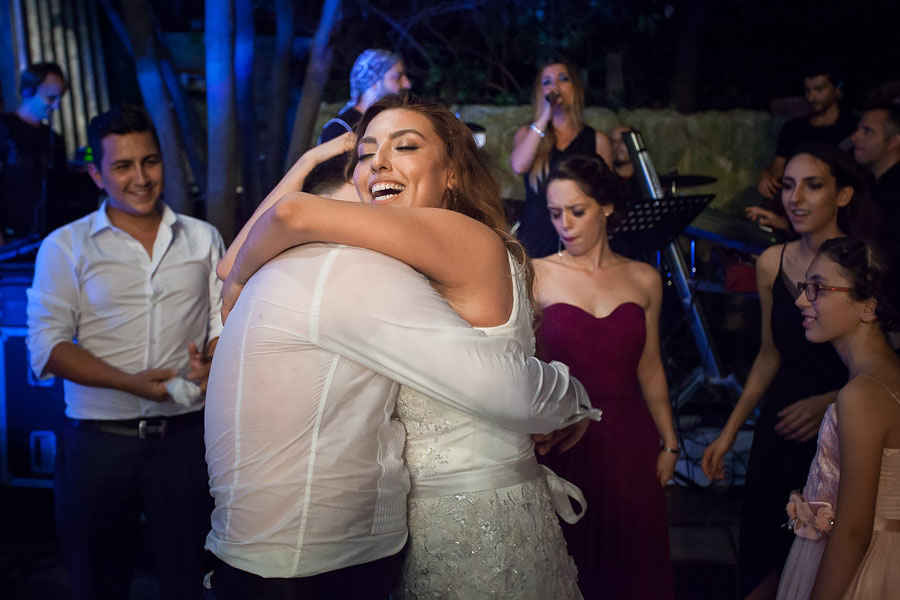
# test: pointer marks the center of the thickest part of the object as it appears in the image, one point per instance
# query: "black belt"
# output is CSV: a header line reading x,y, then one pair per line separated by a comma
x,y
151,427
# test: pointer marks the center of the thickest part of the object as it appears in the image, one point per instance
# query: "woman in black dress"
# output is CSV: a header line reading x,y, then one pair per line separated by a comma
x,y
557,132
825,196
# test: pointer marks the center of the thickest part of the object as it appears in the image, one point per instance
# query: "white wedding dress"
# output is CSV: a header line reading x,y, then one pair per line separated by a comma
x,y
481,519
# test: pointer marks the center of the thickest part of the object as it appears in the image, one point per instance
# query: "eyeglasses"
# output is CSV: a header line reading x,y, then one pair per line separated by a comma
x,y
812,289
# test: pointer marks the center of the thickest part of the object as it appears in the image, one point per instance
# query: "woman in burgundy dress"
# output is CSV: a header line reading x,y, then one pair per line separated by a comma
x,y
601,317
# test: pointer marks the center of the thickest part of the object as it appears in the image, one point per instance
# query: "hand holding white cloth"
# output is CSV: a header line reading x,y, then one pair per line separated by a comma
x,y
184,392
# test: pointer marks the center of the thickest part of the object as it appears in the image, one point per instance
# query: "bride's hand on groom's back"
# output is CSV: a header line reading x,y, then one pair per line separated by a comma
x,y
565,438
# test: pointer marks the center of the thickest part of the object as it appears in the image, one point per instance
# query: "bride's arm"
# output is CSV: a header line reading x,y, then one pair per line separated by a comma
x,y
464,259
291,182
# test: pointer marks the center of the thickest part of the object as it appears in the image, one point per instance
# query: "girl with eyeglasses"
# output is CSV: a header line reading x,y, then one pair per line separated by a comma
x,y
847,519
825,196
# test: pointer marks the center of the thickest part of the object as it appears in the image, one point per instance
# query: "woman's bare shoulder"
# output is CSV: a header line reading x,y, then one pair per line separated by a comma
x,y
769,260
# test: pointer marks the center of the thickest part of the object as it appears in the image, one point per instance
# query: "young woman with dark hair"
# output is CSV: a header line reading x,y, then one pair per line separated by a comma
x,y
825,196
600,316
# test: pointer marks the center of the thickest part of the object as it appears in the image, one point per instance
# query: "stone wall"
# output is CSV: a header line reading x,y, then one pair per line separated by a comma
x,y
732,146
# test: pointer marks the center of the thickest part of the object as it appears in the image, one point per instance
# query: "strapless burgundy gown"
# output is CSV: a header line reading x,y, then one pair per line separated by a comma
x,y
621,546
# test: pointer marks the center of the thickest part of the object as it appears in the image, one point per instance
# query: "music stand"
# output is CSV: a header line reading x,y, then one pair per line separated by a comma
x,y
649,225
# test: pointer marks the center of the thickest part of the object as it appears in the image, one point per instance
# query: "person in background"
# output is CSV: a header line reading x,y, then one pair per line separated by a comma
x,y
825,196
600,316
375,74
876,147
846,520
621,161
622,165
31,153
125,308
825,123
557,132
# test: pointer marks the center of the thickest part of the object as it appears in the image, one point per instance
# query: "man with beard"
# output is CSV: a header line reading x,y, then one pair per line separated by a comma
x,y
375,74
825,123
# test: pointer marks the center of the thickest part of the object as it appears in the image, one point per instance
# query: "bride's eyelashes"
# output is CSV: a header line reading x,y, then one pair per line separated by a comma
x,y
364,156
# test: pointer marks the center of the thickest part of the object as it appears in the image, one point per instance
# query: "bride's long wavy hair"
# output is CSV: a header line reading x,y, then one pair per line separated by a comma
x,y
475,193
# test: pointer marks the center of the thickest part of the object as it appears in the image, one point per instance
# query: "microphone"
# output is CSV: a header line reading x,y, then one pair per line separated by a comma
x,y
643,164
552,97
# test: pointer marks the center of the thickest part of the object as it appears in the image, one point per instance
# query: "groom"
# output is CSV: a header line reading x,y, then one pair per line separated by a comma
x,y
304,458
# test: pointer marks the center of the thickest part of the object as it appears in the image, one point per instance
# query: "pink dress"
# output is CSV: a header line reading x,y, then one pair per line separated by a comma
x,y
802,563
878,576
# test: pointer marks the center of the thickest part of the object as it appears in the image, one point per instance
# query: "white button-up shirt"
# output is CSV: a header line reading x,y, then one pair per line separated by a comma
x,y
96,285
304,458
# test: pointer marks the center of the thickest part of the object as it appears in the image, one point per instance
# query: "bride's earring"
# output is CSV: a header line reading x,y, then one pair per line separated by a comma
x,y
559,248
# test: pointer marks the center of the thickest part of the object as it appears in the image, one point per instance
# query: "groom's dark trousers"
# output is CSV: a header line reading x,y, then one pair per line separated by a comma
x,y
368,581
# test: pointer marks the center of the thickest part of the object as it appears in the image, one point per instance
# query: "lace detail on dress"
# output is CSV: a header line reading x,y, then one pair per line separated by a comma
x,y
824,472
503,543
423,425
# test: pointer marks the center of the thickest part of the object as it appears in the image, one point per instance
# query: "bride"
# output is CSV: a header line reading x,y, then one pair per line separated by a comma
x,y
481,512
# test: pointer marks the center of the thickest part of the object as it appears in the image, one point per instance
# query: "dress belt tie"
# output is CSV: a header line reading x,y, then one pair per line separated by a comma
x,y
501,476
889,525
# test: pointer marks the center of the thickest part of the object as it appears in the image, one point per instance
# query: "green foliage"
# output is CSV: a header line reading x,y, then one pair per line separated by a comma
x,y
486,51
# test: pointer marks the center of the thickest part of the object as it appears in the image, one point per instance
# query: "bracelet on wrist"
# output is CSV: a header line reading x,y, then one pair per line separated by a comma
x,y
537,130
674,451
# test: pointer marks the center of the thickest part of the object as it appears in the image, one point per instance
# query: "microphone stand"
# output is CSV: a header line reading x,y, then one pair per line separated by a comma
x,y
708,371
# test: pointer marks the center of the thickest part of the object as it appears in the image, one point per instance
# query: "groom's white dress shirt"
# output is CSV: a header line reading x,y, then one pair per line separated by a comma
x,y
304,457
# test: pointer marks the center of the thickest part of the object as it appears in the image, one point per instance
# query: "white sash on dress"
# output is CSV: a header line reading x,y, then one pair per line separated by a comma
x,y
501,476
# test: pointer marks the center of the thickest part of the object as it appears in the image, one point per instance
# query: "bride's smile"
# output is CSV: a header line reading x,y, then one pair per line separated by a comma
x,y
402,161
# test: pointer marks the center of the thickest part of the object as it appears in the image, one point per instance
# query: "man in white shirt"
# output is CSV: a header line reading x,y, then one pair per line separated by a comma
x,y
305,460
122,302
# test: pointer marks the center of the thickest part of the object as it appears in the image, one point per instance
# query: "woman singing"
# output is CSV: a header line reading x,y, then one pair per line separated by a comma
x,y
557,132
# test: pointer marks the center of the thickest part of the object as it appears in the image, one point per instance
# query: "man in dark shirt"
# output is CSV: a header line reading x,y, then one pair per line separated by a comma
x,y
622,165
825,123
375,74
876,146
31,153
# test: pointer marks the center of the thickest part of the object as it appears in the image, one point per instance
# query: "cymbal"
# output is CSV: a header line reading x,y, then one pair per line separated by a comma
x,y
683,181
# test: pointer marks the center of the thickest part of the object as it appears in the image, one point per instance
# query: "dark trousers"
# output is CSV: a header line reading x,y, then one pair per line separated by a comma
x,y
104,483
369,581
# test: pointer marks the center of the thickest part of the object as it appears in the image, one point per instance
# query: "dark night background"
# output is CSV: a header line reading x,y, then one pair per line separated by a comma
x,y
687,56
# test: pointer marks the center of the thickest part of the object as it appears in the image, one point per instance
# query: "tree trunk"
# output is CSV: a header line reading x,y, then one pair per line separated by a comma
x,y
191,129
276,113
686,70
314,82
222,175
246,113
138,21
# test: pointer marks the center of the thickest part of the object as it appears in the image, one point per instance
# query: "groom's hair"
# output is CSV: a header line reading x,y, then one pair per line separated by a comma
x,y
328,176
